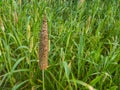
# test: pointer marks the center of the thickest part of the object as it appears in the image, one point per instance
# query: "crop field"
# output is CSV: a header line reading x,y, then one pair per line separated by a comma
x,y
83,40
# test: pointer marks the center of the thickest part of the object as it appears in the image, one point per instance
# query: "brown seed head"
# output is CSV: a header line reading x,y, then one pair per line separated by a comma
x,y
43,46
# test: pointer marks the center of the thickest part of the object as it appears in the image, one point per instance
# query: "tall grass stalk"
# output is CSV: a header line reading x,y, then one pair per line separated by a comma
x,y
43,79
43,48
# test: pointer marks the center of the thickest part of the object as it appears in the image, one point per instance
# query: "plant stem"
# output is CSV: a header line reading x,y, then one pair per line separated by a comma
x,y
43,79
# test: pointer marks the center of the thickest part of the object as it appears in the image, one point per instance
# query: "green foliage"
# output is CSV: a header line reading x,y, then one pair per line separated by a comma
x,y
84,44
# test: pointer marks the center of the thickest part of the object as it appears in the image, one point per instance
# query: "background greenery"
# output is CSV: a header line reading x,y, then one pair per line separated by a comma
x,y
84,38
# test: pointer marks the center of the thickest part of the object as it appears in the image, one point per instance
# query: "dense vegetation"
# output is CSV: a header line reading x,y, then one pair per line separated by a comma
x,y
84,40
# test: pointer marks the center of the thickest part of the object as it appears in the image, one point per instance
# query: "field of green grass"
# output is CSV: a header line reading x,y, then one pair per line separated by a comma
x,y
84,41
